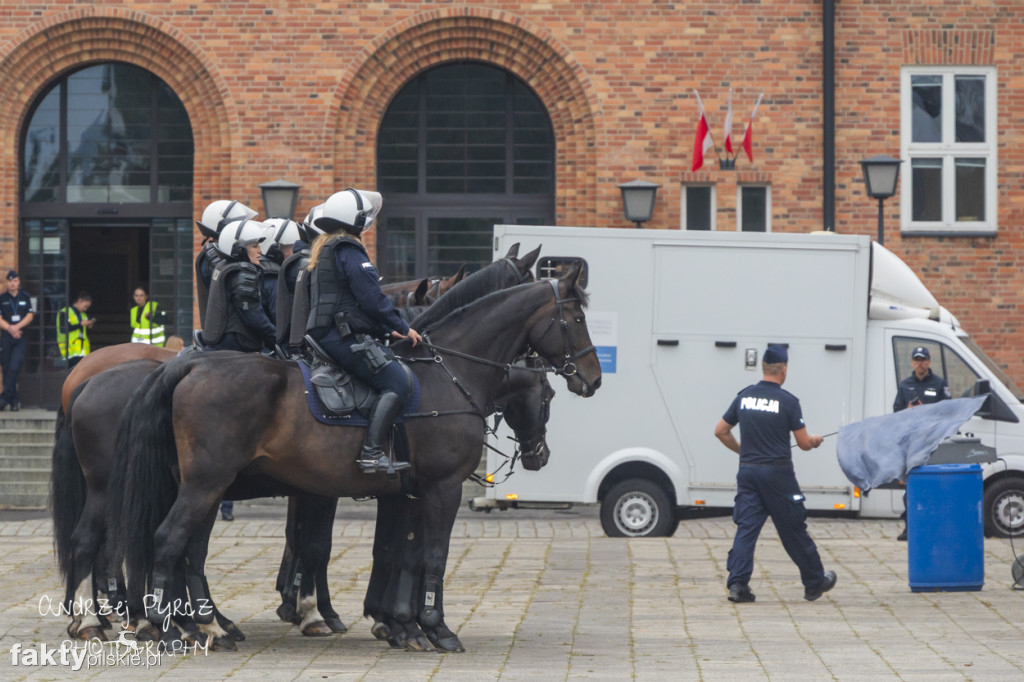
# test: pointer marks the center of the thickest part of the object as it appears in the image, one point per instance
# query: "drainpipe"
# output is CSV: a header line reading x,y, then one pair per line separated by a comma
x,y
828,114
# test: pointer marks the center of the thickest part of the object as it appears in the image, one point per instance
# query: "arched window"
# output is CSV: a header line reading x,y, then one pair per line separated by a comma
x,y
462,147
106,205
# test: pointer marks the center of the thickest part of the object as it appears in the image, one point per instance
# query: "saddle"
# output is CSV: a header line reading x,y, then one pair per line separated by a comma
x,y
339,393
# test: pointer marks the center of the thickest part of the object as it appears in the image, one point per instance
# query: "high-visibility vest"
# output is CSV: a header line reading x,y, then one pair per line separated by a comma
x,y
144,330
76,343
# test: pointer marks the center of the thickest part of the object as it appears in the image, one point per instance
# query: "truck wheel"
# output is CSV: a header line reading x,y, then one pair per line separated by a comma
x,y
1004,508
637,508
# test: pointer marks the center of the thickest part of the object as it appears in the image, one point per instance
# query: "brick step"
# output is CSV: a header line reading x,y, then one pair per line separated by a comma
x,y
30,475
26,437
25,457
23,497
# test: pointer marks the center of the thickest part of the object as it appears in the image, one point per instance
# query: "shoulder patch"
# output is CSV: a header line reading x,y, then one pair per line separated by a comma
x,y
367,265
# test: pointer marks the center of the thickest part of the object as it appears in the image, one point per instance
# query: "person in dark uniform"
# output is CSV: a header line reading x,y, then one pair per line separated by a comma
x,y
235,317
766,484
293,298
15,314
281,237
216,216
350,315
922,387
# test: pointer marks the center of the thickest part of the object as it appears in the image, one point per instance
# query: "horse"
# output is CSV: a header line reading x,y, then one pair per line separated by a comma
x,y
460,371
79,482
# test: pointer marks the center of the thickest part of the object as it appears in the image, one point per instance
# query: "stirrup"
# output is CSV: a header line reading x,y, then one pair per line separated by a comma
x,y
382,463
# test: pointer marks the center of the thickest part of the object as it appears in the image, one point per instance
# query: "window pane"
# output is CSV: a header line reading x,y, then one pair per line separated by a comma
x,y
399,249
755,209
41,176
926,179
698,208
927,113
451,242
970,108
970,190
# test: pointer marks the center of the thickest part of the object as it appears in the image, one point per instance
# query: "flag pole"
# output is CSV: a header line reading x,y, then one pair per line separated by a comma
x,y
700,103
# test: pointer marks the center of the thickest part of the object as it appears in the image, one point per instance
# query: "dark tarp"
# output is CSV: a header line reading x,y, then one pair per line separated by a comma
x,y
882,449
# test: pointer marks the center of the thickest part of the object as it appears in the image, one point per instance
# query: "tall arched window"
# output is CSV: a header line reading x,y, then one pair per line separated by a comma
x,y
106,205
462,147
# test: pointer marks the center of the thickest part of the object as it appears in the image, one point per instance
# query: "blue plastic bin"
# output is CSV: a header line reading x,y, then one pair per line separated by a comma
x,y
945,535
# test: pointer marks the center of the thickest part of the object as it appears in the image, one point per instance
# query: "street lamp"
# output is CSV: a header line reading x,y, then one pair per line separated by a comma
x,y
881,173
279,198
638,200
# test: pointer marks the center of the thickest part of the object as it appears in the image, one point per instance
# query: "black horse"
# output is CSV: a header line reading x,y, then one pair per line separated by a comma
x,y
262,426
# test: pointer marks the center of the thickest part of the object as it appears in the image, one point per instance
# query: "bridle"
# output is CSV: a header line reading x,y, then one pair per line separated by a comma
x,y
568,367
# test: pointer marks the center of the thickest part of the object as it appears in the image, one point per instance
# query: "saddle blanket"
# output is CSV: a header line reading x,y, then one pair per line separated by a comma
x,y
355,417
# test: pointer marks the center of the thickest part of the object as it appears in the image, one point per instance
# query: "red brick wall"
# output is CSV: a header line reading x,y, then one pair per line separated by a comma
x,y
293,89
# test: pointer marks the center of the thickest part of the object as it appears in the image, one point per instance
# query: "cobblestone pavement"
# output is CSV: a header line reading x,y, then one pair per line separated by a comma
x,y
545,596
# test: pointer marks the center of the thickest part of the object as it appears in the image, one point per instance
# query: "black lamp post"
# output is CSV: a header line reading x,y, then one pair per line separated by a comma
x,y
638,200
279,198
881,173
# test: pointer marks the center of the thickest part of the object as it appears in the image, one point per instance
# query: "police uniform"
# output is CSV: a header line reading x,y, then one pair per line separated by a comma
x,y
931,389
13,309
235,318
268,298
767,486
345,281
288,302
206,262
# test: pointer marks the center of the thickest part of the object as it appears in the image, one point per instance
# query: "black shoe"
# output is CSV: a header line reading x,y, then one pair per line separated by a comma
x,y
902,537
827,583
227,516
15,406
740,594
3,405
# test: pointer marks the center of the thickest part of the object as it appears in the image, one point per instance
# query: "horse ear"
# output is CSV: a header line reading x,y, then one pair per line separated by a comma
x,y
526,262
460,275
421,292
574,273
513,252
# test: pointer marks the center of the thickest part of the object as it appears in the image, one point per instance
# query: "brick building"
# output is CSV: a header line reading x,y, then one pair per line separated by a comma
x,y
464,114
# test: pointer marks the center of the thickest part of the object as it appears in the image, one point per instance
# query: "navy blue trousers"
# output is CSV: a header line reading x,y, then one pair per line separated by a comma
x,y
391,379
764,491
12,358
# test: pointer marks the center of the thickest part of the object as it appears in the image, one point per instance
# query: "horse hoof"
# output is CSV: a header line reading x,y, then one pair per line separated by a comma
x,y
147,634
449,645
223,644
380,630
317,629
286,612
418,643
92,632
335,624
73,629
234,634
105,623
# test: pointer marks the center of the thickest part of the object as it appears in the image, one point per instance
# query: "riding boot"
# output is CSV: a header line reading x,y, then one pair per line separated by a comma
x,y
374,457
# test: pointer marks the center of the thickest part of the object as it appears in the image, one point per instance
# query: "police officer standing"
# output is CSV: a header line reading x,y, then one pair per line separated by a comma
x,y
766,484
15,314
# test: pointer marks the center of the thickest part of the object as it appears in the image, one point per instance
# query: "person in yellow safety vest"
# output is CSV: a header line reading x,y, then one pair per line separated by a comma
x,y
72,329
147,321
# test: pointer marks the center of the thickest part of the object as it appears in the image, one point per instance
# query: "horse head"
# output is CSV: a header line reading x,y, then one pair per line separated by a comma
x,y
567,344
527,408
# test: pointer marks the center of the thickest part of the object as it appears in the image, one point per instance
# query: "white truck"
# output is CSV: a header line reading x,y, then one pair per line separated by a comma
x,y
681,318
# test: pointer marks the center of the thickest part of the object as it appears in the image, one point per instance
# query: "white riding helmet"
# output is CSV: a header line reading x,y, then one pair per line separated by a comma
x,y
239,234
308,228
352,210
280,232
220,213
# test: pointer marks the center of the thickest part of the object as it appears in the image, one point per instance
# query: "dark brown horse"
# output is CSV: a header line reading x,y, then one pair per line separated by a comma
x,y
262,426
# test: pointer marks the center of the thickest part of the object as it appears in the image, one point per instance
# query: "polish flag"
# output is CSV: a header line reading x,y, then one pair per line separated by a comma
x,y
728,126
702,142
748,135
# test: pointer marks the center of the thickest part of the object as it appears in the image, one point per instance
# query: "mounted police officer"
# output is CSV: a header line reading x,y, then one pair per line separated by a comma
x,y
350,316
282,234
235,318
766,484
293,299
215,217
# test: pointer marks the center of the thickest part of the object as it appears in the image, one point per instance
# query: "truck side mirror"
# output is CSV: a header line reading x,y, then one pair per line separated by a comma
x,y
993,407
983,387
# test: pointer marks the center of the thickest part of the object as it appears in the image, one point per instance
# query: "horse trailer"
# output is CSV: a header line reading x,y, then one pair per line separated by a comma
x,y
680,320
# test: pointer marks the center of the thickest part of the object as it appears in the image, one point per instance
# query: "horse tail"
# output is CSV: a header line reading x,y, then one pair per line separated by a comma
x,y
67,488
143,486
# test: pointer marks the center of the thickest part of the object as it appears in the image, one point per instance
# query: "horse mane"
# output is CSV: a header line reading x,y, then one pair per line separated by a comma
x,y
472,287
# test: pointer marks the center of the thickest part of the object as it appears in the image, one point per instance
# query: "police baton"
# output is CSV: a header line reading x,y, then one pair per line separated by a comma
x,y
823,438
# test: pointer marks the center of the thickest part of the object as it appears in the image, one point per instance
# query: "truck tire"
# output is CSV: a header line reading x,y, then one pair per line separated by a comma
x,y
637,508
1004,508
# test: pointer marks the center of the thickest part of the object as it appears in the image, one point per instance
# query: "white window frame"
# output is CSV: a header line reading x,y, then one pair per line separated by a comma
x,y
767,201
714,205
948,151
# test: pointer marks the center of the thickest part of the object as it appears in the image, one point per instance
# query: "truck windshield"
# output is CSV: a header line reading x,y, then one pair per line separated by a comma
x,y
996,370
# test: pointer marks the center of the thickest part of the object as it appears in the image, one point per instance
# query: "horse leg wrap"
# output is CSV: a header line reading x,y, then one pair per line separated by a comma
x,y
430,615
199,594
156,605
403,597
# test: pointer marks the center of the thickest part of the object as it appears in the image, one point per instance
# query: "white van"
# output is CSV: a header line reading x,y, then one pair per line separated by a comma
x,y
680,319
